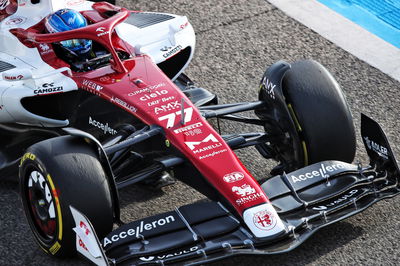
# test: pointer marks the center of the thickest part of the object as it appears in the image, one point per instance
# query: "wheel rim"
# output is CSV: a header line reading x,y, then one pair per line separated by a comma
x,y
41,206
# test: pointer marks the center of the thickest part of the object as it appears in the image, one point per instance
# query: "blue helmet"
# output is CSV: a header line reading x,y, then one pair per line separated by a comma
x,y
68,19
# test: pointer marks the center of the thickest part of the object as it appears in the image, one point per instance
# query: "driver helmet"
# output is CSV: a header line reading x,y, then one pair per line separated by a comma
x,y
68,19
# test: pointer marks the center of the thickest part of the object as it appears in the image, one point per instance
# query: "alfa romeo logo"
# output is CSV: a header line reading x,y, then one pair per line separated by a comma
x,y
264,220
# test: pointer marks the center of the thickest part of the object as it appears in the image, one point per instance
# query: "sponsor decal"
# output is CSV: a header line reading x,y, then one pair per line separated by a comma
x,y
171,118
44,48
146,89
379,149
29,156
167,107
139,230
13,77
189,128
75,2
153,95
82,245
214,145
210,138
165,48
101,31
104,127
345,197
84,227
166,99
22,2
169,255
184,25
123,104
48,88
323,172
244,190
264,220
16,20
92,87
193,132
247,194
269,87
233,177
214,153
172,52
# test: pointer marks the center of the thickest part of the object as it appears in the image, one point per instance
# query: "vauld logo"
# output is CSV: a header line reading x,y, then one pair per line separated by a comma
x,y
233,177
244,190
210,138
379,149
345,197
269,87
170,255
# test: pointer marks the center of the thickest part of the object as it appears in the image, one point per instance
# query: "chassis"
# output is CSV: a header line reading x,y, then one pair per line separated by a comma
x,y
72,163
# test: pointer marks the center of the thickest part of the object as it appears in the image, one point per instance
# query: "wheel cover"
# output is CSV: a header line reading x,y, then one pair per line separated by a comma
x,y
41,205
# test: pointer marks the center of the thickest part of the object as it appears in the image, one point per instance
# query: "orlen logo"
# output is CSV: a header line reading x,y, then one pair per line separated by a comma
x,y
18,77
102,31
233,177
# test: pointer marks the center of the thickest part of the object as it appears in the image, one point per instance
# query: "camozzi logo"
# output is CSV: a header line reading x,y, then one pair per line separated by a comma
x,y
210,138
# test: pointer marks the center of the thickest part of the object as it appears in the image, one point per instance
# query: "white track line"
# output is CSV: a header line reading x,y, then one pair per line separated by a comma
x,y
344,33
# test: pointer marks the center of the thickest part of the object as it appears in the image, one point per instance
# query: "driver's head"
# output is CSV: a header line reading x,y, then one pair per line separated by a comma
x,y
68,19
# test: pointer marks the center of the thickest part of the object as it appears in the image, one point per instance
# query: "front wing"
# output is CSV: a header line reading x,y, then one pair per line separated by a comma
x,y
306,200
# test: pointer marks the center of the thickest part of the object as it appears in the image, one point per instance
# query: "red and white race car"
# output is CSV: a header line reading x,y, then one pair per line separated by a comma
x,y
80,130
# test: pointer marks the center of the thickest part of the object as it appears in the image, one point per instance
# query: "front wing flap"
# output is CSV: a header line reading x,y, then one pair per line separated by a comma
x,y
306,200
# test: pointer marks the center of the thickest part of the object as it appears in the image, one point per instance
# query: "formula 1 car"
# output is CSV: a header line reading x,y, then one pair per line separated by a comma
x,y
81,130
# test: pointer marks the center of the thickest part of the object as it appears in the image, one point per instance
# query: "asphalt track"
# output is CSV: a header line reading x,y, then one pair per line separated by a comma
x,y
236,40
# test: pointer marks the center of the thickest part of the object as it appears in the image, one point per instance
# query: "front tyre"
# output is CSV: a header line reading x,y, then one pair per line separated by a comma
x,y
320,112
58,173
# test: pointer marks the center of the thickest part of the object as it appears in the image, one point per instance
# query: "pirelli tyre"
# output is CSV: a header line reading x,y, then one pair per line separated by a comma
x,y
55,174
320,112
